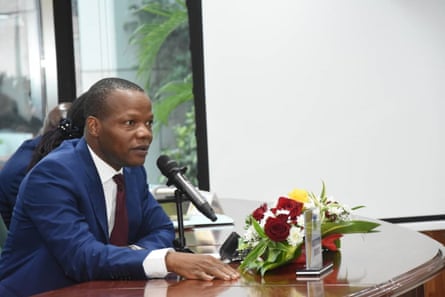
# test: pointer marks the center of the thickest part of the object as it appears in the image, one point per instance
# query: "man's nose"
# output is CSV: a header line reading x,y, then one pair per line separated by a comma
x,y
145,132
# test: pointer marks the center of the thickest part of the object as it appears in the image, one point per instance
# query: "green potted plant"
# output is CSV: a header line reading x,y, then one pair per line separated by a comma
x,y
165,64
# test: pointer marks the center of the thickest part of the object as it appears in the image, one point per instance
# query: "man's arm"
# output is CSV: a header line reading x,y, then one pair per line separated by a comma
x,y
66,213
156,229
150,226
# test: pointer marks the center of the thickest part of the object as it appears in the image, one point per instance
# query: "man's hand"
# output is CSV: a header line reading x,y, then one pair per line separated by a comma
x,y
196,266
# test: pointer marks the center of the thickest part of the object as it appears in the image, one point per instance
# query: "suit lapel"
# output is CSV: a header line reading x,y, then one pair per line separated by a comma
x,y
132,206
96,194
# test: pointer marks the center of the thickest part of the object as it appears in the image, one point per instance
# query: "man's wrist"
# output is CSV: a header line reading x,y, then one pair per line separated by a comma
x,y
168,264
155,265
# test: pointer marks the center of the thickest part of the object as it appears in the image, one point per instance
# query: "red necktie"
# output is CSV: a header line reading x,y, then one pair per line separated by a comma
x,y
119,235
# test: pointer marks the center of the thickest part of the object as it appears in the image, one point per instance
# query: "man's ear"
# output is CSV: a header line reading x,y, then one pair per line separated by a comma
x,y
93,126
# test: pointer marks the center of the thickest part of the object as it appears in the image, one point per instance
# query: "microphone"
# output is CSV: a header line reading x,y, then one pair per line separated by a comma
x,y
170,169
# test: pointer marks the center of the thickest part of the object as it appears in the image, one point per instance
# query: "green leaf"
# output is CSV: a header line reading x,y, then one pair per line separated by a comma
x,y
272,253
285,256
354,226
254,254
150,37
258,228
323,190
171,95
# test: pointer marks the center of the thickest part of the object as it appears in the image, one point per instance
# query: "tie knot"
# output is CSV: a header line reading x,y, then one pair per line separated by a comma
x,y
119,180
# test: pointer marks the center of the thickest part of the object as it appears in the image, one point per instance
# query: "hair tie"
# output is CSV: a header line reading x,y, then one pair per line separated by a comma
x,y
68,130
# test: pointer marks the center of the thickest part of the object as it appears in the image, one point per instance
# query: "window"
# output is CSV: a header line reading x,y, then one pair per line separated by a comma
x,y
146,42
26,66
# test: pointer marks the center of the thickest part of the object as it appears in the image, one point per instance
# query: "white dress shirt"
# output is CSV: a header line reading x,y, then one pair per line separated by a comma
x,y
154,263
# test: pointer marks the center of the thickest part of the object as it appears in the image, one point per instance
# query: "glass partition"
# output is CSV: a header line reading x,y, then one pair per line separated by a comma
x,y
22,80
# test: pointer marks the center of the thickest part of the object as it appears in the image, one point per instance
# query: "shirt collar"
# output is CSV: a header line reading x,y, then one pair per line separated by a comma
x,y
106,172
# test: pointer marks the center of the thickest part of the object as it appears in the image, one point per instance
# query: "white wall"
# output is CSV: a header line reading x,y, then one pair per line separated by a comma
x,y
349,92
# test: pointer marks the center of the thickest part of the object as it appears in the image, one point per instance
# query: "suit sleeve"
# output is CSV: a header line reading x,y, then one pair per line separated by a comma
x,y
155,229
57,200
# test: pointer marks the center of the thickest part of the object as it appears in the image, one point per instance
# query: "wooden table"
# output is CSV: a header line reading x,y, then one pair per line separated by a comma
x,y
392,262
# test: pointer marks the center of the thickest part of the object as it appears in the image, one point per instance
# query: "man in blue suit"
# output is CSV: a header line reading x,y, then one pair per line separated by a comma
x,y
61,225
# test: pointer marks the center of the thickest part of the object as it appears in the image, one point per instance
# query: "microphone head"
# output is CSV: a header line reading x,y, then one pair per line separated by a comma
x,y
167,166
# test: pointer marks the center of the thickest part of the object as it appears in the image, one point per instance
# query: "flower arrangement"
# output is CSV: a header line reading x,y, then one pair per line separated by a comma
x,y
274,236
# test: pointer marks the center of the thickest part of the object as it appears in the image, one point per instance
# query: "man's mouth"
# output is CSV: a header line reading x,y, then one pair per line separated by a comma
x,y
141,148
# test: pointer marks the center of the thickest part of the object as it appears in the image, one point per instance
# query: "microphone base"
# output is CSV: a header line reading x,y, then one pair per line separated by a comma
x,y
179,248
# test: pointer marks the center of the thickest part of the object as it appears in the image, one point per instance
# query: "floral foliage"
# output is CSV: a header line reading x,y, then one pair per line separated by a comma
x,y
274,236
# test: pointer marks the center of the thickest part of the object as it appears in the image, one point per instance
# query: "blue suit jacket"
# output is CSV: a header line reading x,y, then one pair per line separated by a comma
x,y
12,174
59,234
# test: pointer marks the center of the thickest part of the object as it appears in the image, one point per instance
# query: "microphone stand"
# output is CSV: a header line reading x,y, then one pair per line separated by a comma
x,y
179,243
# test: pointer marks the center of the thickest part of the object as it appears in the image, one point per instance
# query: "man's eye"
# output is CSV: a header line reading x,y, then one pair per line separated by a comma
x,y
149,124
129,123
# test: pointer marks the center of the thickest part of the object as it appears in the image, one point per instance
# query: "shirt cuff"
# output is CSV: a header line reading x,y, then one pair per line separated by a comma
x,y
154,263
135,247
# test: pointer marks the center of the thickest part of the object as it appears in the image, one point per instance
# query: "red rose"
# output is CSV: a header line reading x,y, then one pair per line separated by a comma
x,y
276,229
282,217
258,214
295,208
331,242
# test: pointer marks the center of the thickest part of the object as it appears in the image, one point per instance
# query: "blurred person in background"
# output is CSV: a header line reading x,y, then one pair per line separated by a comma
x,y
14,170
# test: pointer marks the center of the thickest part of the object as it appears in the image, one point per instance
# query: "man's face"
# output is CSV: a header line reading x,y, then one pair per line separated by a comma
x,y
125,133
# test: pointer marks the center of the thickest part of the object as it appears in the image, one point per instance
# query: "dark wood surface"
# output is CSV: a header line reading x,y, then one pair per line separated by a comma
x,y
392,262
436,286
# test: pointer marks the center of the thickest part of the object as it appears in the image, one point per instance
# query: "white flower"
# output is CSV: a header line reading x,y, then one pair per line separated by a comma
x,y
300,220
345,216
267,214
282,211
251,235
296,236
342,212
335,209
